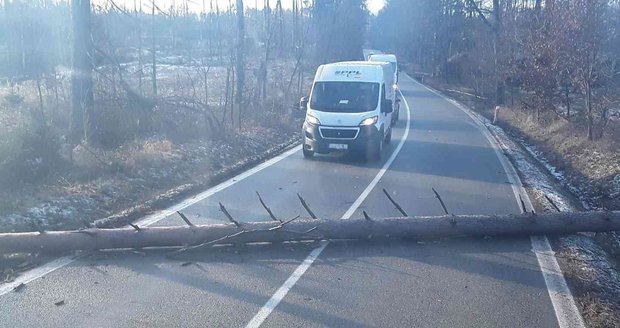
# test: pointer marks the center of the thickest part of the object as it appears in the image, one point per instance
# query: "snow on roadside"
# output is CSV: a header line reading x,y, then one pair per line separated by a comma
x,y
539,156
539,182
587,262
593,263
146,180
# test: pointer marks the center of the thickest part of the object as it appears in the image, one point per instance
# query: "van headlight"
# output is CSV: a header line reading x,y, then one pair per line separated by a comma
x,y
370,121
312,120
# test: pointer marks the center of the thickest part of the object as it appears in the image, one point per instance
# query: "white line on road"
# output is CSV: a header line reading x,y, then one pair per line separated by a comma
x,y
566,311
279,295
36,273
565,308
49,267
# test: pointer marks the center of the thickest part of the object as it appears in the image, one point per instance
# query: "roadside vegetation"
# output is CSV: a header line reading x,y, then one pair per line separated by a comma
x,y
110,104
552,67
548,72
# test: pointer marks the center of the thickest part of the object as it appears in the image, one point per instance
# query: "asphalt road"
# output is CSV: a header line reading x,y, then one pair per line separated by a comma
x,y
447,283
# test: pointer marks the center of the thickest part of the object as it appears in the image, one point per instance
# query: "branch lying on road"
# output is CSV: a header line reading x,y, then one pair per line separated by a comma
x,y
311,229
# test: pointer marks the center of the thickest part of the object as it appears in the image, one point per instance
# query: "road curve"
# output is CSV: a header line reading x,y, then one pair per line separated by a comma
x,y
461,282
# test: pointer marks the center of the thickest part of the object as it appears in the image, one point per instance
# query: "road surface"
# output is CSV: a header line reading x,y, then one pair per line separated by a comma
x,y
447,283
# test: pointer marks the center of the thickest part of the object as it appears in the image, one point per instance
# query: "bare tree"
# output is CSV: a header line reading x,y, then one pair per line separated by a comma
x,y
82,99
240,57
153,52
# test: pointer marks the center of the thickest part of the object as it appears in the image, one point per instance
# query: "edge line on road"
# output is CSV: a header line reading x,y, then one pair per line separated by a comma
x,y
566,311
279,295
53,265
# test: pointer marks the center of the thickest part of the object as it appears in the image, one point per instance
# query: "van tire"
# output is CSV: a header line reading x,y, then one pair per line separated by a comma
x,y
397,112
388,138
307,153
374,153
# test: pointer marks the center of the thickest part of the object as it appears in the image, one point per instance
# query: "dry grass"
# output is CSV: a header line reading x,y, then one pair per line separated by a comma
x,y
91,182
594,292
592,167
594,160
592,170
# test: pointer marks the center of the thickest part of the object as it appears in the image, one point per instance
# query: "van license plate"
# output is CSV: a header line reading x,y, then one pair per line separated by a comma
x,y
338,146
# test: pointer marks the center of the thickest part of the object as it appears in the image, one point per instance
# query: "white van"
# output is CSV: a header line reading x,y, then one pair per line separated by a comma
x,y
387,58
350,108
392,60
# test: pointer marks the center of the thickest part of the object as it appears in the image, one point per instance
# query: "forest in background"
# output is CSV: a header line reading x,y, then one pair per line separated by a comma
x,y
548,70
76,75
110,109
554,49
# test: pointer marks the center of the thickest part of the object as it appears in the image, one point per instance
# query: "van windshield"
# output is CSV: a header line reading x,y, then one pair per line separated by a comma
x,y
346,97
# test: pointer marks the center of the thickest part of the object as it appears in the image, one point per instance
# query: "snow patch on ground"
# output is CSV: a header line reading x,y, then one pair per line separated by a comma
x,y
593,263
588,263
559,175
148,179
532,177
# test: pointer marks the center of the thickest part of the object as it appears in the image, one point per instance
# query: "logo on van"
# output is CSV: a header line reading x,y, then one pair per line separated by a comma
x,y
348,73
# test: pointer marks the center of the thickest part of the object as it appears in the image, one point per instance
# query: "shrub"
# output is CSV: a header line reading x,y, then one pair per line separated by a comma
x,y
30,155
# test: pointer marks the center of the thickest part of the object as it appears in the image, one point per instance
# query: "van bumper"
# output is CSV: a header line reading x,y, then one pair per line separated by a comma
x,y
366,139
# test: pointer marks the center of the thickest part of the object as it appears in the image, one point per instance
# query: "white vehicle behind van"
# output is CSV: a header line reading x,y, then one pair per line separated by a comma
x,y
390,58
387,58
350,108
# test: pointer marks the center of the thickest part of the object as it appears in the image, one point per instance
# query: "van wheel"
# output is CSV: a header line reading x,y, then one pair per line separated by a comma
x,y
374,153
307,153
397,112
388,138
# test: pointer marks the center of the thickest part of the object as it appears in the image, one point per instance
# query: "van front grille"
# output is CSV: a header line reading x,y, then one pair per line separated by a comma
x,y
339,133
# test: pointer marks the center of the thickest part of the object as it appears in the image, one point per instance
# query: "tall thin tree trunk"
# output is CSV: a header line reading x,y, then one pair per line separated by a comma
x,y
140,51
497,30
240,58
567,100
153,52
588,103
82,99
265,66
281,28
240,53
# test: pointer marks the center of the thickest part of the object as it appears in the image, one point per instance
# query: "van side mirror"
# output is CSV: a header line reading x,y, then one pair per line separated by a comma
x,y
386,106
303,104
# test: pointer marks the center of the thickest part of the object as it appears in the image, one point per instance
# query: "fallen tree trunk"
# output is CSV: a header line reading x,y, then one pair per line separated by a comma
x,y
308,229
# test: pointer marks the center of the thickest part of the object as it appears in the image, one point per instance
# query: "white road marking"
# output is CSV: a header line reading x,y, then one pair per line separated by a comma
x,y
565,308
566,311
151,219
49,267
279,295
36,273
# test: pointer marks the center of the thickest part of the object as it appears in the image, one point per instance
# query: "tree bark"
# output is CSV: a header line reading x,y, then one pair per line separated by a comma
x,y
240,54
307,229
497,31
153,52
82,99
588,103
